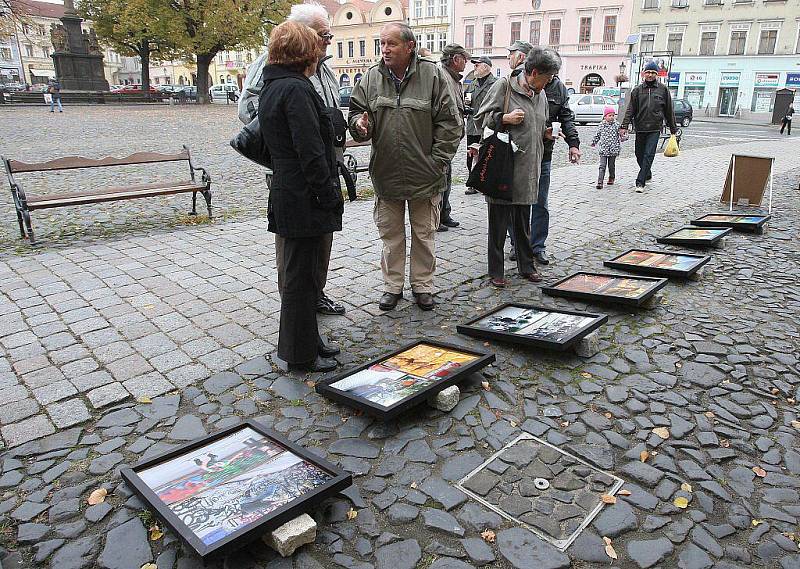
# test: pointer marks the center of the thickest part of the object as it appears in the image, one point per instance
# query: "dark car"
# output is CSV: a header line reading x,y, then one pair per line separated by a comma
x,y
683,111
344,96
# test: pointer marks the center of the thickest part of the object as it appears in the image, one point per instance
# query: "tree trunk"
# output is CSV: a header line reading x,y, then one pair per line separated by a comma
x,y
203,62
144,55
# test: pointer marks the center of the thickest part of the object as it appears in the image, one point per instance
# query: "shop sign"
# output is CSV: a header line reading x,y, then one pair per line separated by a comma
x,y
593,67
675,77
793,79
695,78
767,79
728,79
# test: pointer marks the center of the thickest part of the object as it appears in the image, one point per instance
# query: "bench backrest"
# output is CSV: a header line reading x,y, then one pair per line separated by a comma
x,y
73,162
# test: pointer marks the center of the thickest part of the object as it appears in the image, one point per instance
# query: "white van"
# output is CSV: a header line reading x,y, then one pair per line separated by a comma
x,y
219,93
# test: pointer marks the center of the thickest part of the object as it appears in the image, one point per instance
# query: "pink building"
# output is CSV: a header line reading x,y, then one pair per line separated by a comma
x,y
588,34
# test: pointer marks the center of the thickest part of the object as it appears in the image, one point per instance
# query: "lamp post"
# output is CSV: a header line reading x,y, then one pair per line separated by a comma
x,y
621,72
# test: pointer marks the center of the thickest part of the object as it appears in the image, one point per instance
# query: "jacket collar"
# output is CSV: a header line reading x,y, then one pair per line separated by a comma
x,y
412,67
272,72
456,76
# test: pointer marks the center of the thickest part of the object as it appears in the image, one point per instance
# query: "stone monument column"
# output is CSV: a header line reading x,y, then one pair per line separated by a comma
x,y
77,56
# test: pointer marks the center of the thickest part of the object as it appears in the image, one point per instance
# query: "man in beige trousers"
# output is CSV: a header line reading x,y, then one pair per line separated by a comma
x,y
404,106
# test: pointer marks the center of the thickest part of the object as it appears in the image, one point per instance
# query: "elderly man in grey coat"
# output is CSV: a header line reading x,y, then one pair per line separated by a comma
x,y
525,120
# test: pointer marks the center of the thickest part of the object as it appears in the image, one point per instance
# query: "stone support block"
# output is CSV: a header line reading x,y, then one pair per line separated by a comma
x,y
292,535
654,300
446,399
588,346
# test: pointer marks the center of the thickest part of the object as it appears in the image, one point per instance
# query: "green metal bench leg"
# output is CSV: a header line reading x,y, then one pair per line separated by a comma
x,y
21,226
194,204
207,196
27,217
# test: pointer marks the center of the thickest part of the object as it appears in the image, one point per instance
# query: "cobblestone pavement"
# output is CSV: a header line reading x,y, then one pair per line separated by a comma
x,y
716,364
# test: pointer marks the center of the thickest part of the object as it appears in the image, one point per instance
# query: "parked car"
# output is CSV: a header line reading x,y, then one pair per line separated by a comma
x,y
683,111
188,91
344,95
223,92
589,108
135,88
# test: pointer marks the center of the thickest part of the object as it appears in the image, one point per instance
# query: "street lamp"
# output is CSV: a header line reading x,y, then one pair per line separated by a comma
x,y
621,78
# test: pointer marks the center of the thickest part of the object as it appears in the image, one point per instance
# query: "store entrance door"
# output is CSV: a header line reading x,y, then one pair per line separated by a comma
x,y
727,101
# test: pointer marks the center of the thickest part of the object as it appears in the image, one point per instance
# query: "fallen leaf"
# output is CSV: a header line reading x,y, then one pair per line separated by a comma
x,y
724,443
586,374
144,400
686,487
608,415
486,386
512,423
644,455
565,424
760,472
155,533
774,391
610,551
149,566
709,414
624,492
662,432
488,536
681,502
414,484
352,514
756,523
608,499
795,424
486,344
311,384
791,401
97,496
607,540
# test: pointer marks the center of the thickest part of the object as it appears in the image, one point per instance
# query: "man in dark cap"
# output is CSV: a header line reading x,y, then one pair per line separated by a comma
x,y
483,79
517,52
454,60
649,106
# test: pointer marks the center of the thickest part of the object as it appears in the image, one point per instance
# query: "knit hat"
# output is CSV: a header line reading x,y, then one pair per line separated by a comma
x,y
651,66
609,110
520,45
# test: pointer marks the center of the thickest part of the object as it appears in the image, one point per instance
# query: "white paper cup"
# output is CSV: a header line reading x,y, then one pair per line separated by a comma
x,y
556,129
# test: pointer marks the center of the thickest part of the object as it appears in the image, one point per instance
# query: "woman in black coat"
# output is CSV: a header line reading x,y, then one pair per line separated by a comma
x,y
305,200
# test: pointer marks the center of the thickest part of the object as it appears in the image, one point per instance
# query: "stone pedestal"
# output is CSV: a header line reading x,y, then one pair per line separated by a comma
x,y
77,56
291,535
446,399
588,346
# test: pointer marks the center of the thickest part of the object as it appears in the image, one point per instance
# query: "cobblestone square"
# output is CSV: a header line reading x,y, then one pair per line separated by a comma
x,y
132,328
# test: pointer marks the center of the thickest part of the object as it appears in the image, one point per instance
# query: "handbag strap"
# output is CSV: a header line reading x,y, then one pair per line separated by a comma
x,y
506,99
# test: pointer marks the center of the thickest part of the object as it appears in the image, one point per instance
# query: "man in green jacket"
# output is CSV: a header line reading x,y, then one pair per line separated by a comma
x,y
404,106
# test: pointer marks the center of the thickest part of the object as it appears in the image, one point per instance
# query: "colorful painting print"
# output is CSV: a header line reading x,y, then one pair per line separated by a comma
x,y
607,285
700,234
627,288
755,219
424,360
658,260
543,325
218,488
382,385
584,282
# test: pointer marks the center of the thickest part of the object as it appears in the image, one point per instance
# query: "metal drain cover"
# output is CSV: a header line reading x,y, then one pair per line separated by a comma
x,y
541,487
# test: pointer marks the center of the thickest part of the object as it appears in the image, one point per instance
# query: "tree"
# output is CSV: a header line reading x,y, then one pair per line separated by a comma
x,y
12,15
212,26
147,29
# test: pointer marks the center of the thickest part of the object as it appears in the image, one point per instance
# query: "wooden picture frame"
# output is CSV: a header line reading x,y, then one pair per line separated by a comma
x,y
170,486
695,236
607,287
658,263
495,324
395,382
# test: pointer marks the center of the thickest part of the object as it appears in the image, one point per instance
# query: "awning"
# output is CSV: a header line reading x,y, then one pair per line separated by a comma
x,y
38,72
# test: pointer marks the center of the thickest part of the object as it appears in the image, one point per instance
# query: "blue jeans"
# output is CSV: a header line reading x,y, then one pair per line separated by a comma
x,y
56,99
540,216
645,146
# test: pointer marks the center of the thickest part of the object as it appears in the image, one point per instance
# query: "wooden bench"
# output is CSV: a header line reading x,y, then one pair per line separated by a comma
x,y
26,203
351,162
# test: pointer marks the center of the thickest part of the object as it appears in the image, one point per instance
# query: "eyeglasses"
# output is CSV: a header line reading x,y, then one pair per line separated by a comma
x,y
327,36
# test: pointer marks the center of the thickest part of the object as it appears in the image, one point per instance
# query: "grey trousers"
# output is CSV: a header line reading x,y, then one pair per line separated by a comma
x,y
611,161
323,260
519,218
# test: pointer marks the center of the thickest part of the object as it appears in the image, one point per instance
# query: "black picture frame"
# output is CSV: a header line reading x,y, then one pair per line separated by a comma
x,y
617,263
671,239
471,328
385,413
338,481
735,221
655,285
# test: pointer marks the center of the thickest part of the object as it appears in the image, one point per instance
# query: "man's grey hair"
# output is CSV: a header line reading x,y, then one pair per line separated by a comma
x,y
544,60
309,14
406,33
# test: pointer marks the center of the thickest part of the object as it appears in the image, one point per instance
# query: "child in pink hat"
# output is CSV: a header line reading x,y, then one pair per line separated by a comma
x,y
609,141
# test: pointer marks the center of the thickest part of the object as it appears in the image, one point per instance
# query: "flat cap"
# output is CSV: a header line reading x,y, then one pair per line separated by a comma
x,y
520,45
452,49
481,59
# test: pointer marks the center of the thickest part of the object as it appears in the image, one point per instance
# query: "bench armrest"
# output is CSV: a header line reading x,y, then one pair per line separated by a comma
x,y
206,175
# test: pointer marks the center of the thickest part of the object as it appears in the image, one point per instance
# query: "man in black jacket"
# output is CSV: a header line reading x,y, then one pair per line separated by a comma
x,y
649,106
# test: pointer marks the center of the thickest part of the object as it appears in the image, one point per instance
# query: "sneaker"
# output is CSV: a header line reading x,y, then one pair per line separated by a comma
x,y
599,185
327,306
639,189
610,181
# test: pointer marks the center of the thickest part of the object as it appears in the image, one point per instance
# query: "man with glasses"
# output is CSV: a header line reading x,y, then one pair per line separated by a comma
x,y
454,60
649,106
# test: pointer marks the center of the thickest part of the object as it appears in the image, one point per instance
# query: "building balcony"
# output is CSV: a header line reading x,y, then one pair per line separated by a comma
x,y
596,48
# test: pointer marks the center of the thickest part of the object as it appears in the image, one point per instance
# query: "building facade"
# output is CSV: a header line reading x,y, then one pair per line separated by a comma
x,y
356,27
11,70
430,20
588,34
729,57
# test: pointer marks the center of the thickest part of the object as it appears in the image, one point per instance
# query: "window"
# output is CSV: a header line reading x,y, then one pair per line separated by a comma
x,y
349,49
377,46
45,52
610,29
675,43
339,49
5,53
469,36
28,50
650,5
442,41
443,8
555,32
429,40
388,12
362,48
488,35
431,8
738,41
515,31
712,2
646,43
680,3
585,30
767,41
708,43
41,30
417,8
536,32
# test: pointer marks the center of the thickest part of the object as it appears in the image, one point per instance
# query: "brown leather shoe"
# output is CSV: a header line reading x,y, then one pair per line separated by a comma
x,y
424,300
534,277
389,301
498,282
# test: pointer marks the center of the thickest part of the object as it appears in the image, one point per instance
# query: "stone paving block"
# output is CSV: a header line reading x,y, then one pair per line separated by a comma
x,y
13,412
188,375
148,385
170,361
221,359
112,352
292,535
12,394
129,367
55,392
68,413
91,380
31,364
107,394
27,430
42,377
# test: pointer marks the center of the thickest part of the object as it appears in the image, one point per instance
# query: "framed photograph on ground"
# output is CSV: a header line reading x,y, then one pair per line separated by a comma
x,y
740,222
223,491
391,384
606,287
695,236
537,326
658,263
